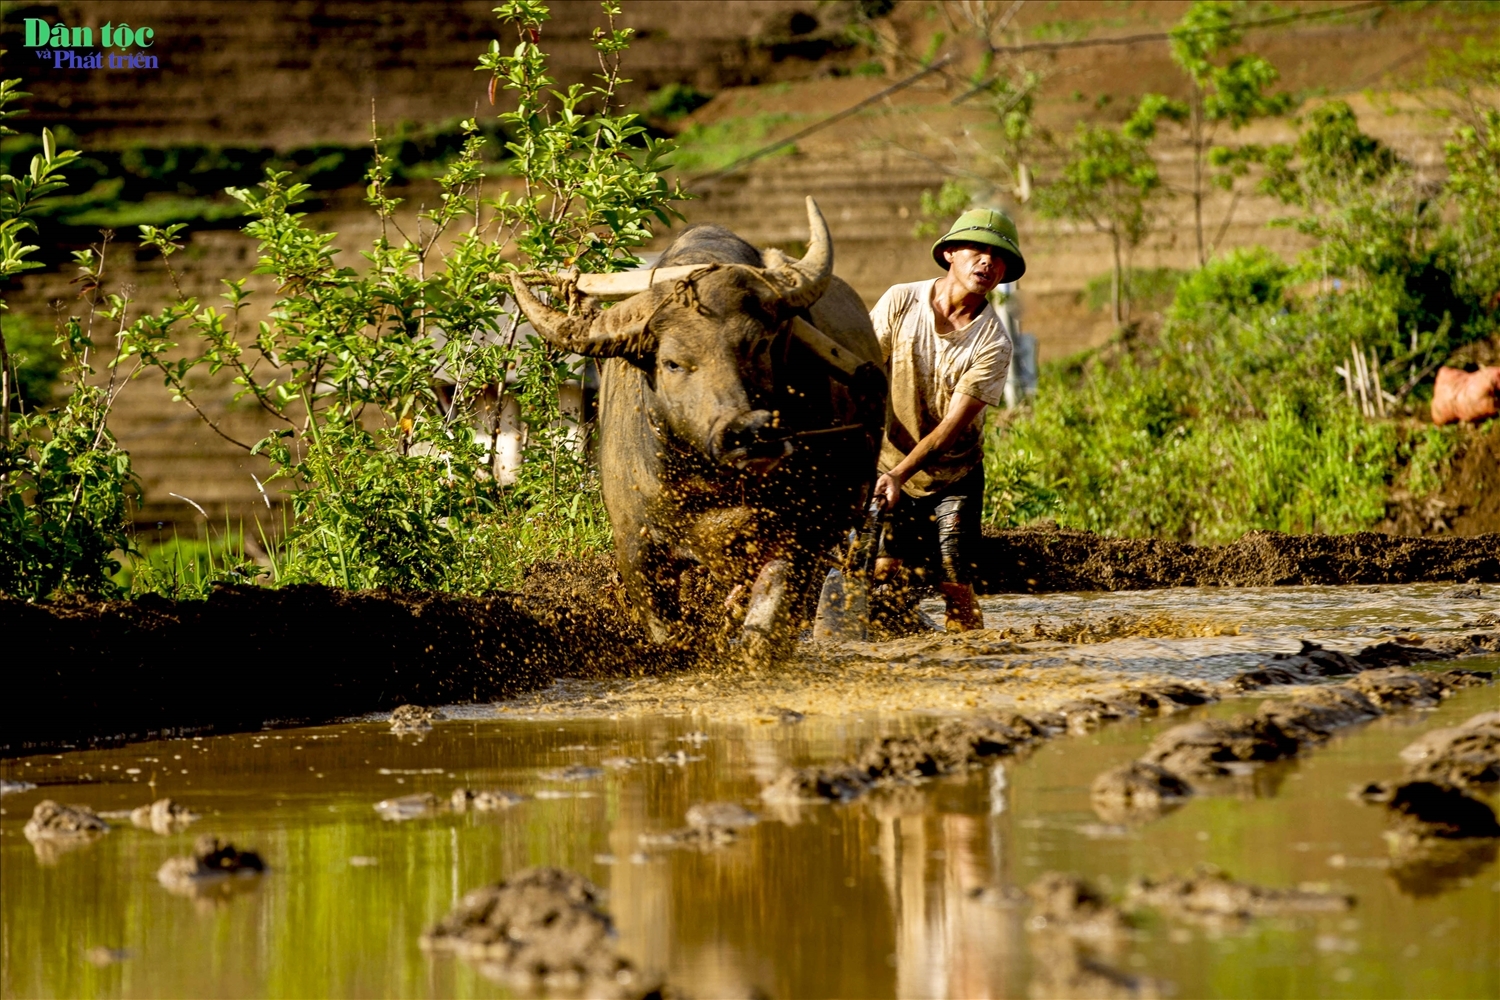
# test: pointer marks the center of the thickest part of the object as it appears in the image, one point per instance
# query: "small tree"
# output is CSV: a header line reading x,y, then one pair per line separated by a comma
x,y
64,484
389,484
1222,93
1109,181
1464,83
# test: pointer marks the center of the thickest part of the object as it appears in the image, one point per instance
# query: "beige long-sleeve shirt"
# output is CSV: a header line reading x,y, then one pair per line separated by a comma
x,y
926,369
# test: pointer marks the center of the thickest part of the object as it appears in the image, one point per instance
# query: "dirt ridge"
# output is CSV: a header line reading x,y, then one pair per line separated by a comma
x,y
112,672
247,656
1047,558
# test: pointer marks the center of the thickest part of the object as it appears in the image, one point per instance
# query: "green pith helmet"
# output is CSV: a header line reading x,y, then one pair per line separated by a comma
x,y
990,226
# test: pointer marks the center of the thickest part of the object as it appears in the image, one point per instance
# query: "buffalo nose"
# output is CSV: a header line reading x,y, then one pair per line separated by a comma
x,y
749,436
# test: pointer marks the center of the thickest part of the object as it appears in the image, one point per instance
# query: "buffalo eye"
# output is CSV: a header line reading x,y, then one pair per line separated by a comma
x,y
672,366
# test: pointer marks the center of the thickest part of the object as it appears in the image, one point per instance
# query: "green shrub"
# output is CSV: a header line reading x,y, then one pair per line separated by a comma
x,y
1242,280
1146,287
702,148
389,484
35,359
65,487
675,100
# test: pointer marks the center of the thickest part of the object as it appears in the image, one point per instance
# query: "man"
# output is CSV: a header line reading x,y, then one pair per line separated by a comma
x,y
948,352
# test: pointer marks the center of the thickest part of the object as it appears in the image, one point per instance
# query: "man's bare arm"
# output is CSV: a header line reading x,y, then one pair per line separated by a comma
x,y
961,412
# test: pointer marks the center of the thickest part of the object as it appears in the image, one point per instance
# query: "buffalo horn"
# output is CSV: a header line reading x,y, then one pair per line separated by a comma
x,y
803,282
612,333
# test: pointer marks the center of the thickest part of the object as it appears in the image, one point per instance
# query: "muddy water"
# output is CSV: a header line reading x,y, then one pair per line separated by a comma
x,y
899,894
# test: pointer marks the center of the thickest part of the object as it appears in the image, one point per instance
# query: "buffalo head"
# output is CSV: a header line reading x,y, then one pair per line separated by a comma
x,y
703,336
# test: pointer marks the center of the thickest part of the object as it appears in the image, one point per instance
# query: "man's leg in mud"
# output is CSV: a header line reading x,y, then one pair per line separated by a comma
x,y
957,517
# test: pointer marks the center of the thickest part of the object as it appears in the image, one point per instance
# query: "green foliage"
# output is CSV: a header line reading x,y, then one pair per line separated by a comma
x,y
939,209
188,569
702,148
1468,78
35,360
1232,418
1204,437
380,385
64,485
1108,181
1146,287
1426,286
1224,90
1430,458
1016,489
1237,283
674,101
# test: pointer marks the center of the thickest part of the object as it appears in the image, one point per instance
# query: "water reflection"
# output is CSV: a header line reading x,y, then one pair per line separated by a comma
x,y
910,892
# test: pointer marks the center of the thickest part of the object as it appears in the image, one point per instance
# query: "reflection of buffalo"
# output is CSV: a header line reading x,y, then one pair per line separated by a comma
x,y
741,408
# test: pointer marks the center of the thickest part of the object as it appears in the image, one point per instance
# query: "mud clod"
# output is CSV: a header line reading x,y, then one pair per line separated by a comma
x,y
210,866
54,829
1395,688
1426,809
1210,748
1070,925
541,930
464,799
817,784
1313,716
1464,756
710,825
1166,697
1312,661
964,743
164,816
1136,791
406,807
1070,903
1218,748
51,821
414,718
1253,680
951,746
1466,678
1085,715
1212,896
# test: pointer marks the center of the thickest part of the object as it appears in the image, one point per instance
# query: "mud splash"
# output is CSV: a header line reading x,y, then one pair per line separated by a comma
x,y
308,654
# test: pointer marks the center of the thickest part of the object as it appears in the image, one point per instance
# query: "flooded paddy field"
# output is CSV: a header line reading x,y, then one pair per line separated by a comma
x,y
911,888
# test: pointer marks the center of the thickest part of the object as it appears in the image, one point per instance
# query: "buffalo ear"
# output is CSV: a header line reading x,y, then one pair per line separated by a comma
x,y
621,332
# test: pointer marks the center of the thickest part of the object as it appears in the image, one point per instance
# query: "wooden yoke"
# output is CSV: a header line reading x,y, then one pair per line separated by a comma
x,y
624,284
826,347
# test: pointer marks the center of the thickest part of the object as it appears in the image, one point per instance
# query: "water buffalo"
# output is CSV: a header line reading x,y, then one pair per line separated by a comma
x,y
742,402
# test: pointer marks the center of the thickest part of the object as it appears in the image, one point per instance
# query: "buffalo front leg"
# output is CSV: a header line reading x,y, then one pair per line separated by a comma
x,y
650,588
768,630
